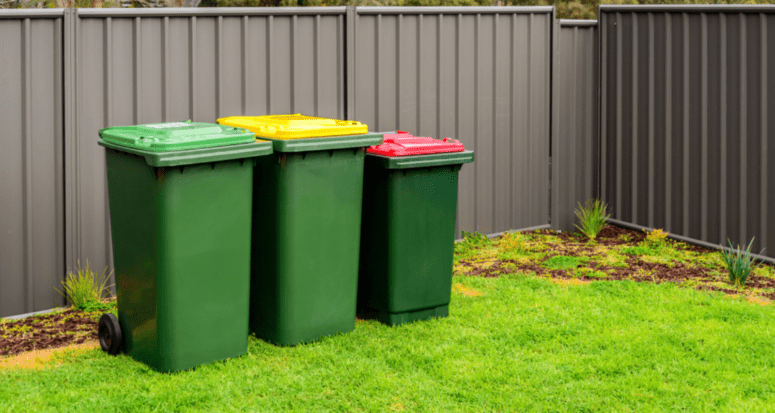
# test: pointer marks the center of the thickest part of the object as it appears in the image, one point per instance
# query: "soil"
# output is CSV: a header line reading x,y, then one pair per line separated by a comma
x,y
575,245
47,331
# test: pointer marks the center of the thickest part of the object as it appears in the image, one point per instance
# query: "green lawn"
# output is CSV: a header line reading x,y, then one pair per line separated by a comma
x,y
513,343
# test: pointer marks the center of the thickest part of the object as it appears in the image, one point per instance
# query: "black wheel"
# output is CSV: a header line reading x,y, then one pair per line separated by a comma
x,y
110,334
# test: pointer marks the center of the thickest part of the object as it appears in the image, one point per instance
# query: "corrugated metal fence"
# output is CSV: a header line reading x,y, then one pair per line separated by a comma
x,y
480,75
155,65
68,73
687,97
575,149
31,161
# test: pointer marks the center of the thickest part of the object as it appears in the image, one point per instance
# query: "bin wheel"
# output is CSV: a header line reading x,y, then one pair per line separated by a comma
x,y
110,334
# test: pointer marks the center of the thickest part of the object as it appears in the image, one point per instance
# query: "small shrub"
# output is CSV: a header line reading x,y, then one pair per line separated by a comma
x,y
592,217
656,238
512,242
740,263
84,289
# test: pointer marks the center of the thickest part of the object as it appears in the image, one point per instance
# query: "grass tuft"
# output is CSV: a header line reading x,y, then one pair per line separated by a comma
x,y
592,217
739,262
84,290
564,262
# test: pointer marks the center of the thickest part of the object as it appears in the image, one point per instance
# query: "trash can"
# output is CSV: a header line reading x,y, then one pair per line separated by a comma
x,y
306,244
408,231
180,209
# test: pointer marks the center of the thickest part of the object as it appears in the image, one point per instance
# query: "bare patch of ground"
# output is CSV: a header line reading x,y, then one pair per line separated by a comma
x,y
45,331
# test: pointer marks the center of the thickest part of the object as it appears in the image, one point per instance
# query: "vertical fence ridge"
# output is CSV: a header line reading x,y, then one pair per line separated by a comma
x,y
26,136
743,132
686,132
763,228
651,155
668,122
704,127
166,70
724,114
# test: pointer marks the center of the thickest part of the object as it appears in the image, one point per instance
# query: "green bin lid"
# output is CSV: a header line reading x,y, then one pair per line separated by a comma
x,y
175,136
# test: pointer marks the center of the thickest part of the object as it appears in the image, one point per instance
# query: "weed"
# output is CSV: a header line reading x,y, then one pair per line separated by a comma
x,y
512,242
637,250
563,262
592,217
474,238
84,289
656,238
589,272
612,259
739,263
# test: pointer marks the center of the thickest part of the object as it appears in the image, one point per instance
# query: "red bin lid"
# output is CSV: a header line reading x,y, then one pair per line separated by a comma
x,y
404,144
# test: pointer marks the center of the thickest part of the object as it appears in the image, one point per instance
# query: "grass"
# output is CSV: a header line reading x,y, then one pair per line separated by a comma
x,y
84,290
522,344
511,343
740,263
592,217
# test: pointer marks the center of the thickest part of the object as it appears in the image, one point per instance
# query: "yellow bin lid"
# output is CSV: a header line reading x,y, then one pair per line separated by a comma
x,y
295,126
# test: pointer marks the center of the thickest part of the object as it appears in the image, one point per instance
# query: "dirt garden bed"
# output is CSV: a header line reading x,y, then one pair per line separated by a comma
x,y
617,254
51,330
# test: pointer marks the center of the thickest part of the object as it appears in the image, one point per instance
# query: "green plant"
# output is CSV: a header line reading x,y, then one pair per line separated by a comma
x,y
739,262
512,242
637,250
474,239
84,290
564,262
592,217
656,238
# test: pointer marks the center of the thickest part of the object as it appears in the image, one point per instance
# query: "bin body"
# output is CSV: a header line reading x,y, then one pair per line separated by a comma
x,y
305,253
408,233
181,246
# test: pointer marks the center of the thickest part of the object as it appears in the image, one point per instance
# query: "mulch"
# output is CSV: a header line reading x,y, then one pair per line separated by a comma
x,y
47,331
636,269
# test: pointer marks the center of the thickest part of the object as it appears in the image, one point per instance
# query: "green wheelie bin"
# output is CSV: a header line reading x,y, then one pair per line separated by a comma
x,y
306,244
181,197
408,231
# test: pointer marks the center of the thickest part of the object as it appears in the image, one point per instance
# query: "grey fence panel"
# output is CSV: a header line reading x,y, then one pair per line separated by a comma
x,y
144,66
31,193
687,99
575,172
480,75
